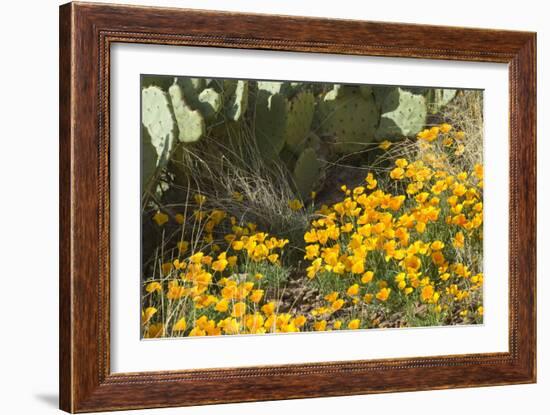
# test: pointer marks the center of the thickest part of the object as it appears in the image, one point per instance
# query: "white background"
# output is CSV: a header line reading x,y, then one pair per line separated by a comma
x,y
28,163
129,354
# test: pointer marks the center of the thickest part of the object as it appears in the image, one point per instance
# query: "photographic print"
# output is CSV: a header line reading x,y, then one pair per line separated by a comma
x,y
280,206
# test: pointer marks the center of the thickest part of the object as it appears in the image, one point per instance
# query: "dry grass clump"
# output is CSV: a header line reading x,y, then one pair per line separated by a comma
x,y
465,113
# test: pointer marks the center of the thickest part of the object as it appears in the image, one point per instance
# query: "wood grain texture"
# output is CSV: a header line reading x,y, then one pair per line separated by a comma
x,y
86,33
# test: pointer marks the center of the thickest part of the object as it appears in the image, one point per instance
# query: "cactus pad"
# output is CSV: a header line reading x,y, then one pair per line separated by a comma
x,y
403,114
238,101
270,122
190,122
300,110
306,172
157,119
437,98
210,103
349,116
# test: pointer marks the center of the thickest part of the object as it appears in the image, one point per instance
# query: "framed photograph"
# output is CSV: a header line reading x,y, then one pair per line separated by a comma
x,y
260,207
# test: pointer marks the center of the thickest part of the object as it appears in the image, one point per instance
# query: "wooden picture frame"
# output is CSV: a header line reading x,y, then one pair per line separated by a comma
x,y
86,33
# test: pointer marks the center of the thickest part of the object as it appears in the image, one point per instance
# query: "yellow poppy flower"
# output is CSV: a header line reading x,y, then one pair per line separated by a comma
x,y
147,314
197,332
383,294
368,298
358,267
354,324
237,196
437,245
155,330
333,296
268,308
367,277
397,173
180,325
256,296
295,204
222,305
384,145
166,268
353,290
427,293
160,218
371,181
199,199
299,321
182,246
458,240
312,252
337,304
153,287
320,325
221,263
401,163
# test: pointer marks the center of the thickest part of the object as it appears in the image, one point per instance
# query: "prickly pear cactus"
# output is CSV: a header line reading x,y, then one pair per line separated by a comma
x,y
280,121
190,122
306,172
269,123
162,81
437,98
272,87
403,114
299,118
191,88
238,101
350,115
312,141
149,159
156,117
366,91
289,89
210,103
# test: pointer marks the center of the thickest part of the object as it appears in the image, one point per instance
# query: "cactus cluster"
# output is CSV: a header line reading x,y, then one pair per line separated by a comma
x,y
291,121
281,121
181,110
283,118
